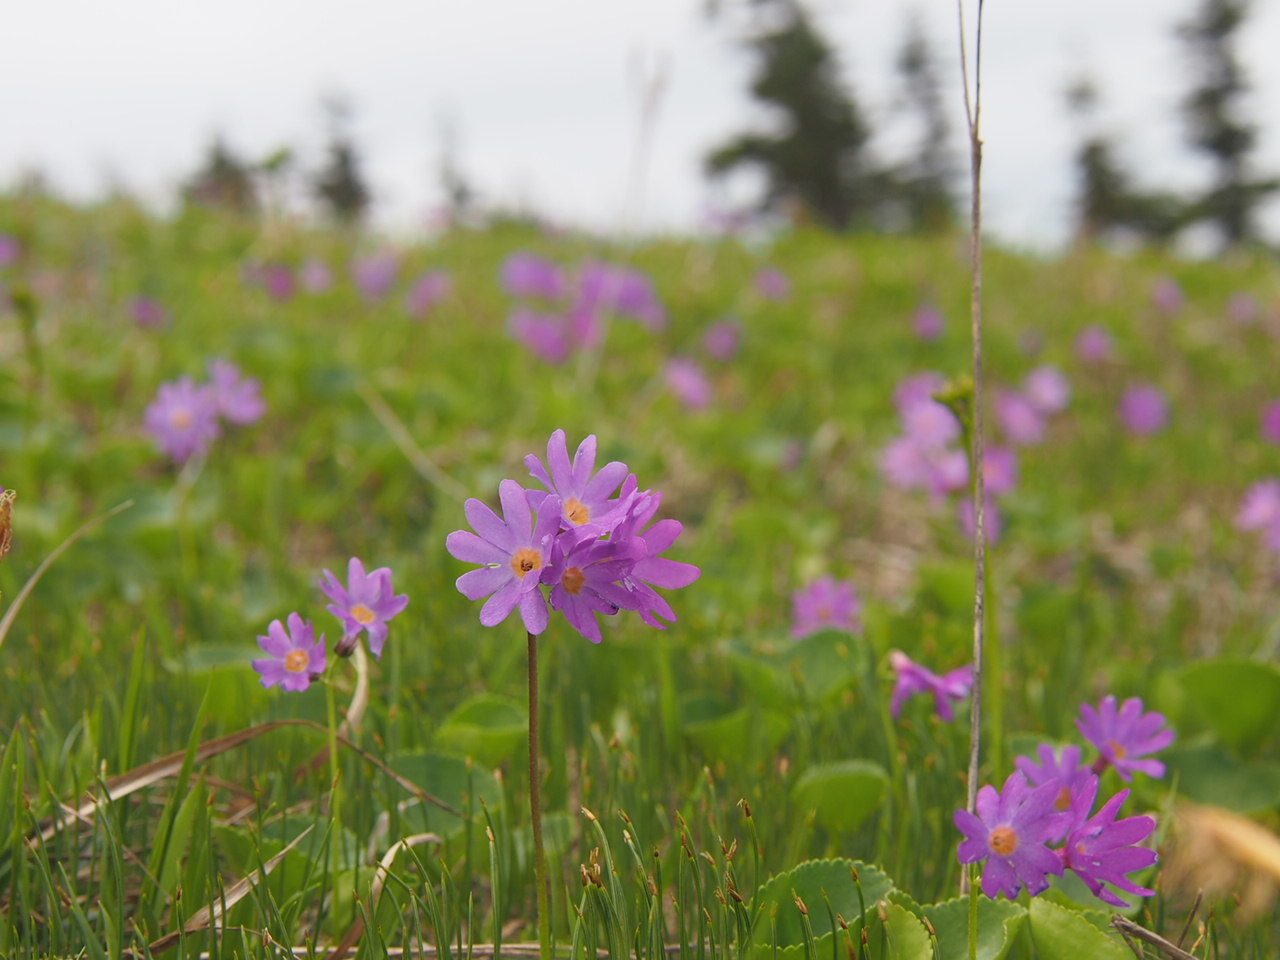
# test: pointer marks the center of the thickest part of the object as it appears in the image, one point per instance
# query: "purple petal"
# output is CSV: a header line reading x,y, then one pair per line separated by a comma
x,y
584,462
465,546
498,607
515,510
486,523
475,584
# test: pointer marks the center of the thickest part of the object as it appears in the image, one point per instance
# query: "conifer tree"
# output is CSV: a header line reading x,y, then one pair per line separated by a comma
x,y
224,181
925,182
340,185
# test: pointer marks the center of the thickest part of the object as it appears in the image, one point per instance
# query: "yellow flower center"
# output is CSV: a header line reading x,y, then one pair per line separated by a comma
x,y
362,614
577,511
1003,840
526,560
573,580
180,419
1064,799
297,661
1117,750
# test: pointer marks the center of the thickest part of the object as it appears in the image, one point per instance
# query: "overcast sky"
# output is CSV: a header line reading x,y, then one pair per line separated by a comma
x,y
543,97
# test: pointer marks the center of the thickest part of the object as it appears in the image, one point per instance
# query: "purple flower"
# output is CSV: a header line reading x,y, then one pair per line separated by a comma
x,y
931,424
1094,344
1124,736
585,578
1144,410
183,418
1002,470
1261,507
909,464
1243,308
366,603
685,378
912,678
529,275
652,569
723,339
545,335
296,656
1167,295
514,551
1101,849
10,250
1271,422
621,290
376,274
1021,420
316,276
917,388
278,280
237,398
1048,389
772,284
1065,770
582,493
928,322
425,292
1009,832
825,604
148,313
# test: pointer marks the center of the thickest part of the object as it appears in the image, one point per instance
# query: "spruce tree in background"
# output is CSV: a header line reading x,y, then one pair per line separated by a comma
x,y
340,186
225,181
819,156
1108,204
1213,111
924,184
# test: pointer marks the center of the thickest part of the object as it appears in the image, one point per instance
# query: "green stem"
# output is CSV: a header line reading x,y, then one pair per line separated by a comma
x,y
335,796
994,685
973,910
535,808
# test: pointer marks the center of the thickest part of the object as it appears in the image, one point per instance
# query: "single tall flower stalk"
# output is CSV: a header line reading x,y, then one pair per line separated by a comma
x,y
535,806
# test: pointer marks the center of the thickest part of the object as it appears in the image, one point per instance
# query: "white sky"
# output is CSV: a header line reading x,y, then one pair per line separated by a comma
x,y
544,95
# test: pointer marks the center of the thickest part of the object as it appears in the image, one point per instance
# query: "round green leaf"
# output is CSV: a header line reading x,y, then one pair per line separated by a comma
x,y
487,728
818,883
998,924
1062,934
1239,700
841,794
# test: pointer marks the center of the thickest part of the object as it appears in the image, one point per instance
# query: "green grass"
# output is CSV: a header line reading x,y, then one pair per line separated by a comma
x,y
1120,572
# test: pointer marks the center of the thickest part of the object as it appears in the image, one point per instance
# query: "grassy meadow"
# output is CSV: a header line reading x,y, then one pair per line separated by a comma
x,y
699,783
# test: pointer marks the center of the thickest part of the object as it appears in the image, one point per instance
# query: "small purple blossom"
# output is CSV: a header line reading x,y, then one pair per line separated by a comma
x,y
545,335
1021,420
1243,308
723,339
909,464
1123,737
582,492
1048,389
1010,832
315,276
686,379
1101,849
1261,507
296,656
1167,295
513,551
376,274
1001,473
148,313
1271,422
1064,769
772,284
366,603
529,275
913,678
585,578
237,398
1144,410
992,519
825,604
279,281
652,569
1094,344
607,287
426,291
183,418
917,388
928,322
10,250
930,424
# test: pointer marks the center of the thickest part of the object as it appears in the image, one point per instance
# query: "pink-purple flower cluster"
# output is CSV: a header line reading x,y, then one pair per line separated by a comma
x,y
186,417
295,657
912,678
1042,822
575,545
825,604
569,308
1260,512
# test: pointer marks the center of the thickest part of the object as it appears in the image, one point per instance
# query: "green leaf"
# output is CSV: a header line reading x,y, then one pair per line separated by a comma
x,y
1207,773
725,734
458,783
906,936
813,882
841,794
1238,700
486,727
1062,934
998,924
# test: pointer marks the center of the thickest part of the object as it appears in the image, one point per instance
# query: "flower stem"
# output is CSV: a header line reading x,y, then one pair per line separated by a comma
x,y
335,831
535,808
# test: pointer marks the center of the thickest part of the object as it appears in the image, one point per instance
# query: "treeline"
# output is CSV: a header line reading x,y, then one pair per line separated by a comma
x,y
818,154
